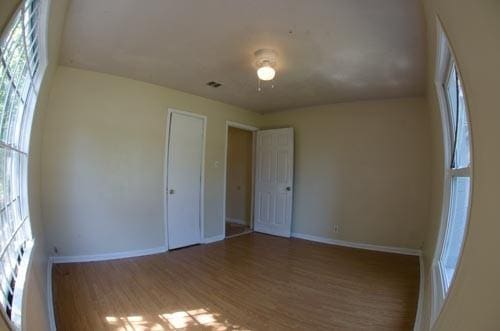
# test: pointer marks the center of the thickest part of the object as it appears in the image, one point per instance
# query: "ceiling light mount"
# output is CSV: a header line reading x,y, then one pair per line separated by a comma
x,y
265,61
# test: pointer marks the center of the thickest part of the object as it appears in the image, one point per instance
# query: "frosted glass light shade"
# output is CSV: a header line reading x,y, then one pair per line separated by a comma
x,y
266,72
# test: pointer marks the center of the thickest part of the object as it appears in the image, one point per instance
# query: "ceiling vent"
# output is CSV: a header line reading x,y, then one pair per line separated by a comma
x,y
214,84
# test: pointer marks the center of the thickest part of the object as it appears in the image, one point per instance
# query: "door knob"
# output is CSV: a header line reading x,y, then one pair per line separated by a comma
x,y
288,188
171,191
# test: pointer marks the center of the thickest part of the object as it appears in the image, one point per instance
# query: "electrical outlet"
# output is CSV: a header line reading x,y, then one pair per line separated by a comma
x,y
335,228
56,250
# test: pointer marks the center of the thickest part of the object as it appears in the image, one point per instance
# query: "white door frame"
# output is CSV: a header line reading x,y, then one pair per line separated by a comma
x,y
253,130
165,173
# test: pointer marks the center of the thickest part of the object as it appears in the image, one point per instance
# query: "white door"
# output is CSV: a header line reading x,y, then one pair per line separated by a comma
x,y
274,182
184,167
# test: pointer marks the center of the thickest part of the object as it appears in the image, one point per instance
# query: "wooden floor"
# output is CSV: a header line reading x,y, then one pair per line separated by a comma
x,y
234,229
251,282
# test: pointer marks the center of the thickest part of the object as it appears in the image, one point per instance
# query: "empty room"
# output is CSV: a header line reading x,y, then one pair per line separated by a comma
x,y
249,165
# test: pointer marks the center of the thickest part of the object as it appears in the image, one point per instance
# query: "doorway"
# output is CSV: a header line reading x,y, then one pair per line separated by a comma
x,y
238,218
184,178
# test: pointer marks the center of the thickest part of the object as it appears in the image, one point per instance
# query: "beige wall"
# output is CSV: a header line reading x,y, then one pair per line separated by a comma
x,y
103,159
3,324
7,8
363,166
473,29
239,175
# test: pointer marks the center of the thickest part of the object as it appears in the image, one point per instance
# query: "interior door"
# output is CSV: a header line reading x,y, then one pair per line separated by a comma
x,y
184,169
274,182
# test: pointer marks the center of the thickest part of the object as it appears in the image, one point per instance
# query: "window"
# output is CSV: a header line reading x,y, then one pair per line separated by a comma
x,y
20,65
457,173
460,176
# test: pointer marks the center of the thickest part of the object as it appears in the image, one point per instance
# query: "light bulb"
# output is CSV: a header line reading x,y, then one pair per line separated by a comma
x,y
266,72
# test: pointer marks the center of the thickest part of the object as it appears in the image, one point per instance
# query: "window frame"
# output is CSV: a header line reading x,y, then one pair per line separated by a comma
x,y
17,320
445,60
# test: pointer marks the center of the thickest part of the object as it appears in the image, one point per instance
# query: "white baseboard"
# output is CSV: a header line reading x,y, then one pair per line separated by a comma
x,y
240,234
272,231
50,301
213,239
122,255
387,249
108,256
418,317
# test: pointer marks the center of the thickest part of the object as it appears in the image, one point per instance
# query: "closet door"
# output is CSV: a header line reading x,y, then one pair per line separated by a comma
x,y
185,153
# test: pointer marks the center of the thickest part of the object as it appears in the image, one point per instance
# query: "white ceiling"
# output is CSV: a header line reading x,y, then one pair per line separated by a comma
x,y
329,50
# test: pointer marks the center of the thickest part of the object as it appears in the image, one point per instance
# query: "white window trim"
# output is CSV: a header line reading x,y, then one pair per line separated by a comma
x,y
43,35
444,58
19,302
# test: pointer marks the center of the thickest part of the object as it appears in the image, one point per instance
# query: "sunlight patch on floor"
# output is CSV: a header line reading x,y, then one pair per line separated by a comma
x,y
132,323
176,320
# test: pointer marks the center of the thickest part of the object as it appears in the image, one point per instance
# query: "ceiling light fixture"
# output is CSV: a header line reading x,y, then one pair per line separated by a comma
x,y
266,64
266,72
